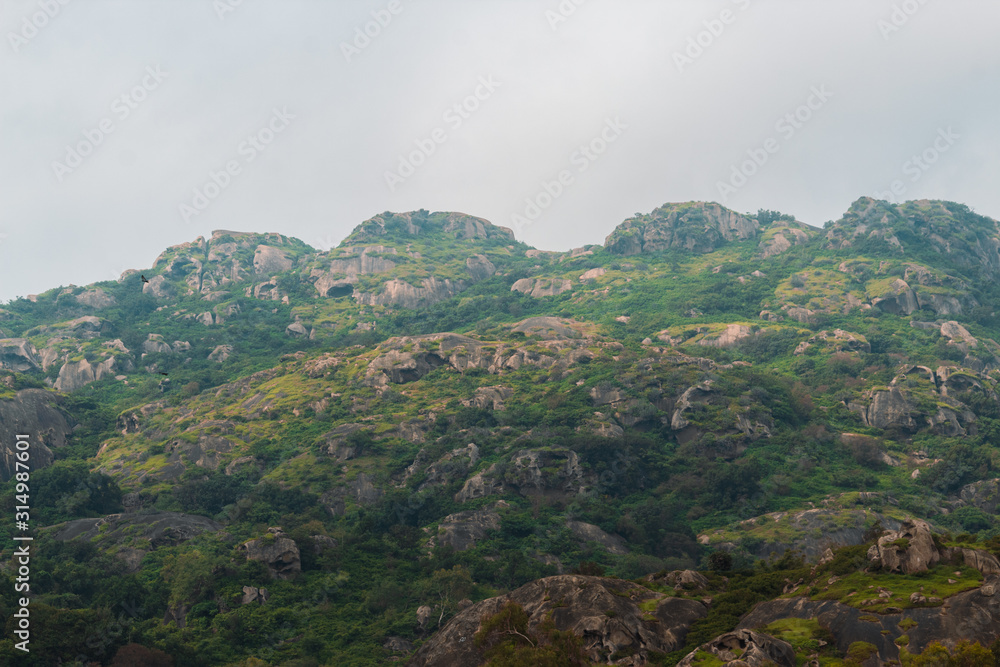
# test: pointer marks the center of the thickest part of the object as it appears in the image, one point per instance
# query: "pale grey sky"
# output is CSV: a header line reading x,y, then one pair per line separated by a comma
x,y
834,99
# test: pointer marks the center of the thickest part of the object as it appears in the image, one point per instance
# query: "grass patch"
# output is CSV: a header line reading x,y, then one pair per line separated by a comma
x,y
933,583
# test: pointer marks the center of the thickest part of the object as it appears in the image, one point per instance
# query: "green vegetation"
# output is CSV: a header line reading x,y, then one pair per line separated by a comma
x,y
723,443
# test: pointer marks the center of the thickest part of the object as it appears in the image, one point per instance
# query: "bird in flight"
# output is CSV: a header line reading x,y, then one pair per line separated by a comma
x,y
144,278
162,373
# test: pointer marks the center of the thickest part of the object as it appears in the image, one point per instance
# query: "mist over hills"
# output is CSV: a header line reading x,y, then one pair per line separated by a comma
x,y
350,456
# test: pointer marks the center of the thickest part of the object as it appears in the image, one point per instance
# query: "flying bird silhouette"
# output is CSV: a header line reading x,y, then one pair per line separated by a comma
x,y
144,278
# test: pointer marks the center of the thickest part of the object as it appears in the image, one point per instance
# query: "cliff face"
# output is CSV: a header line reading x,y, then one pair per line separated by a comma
x,y
33,412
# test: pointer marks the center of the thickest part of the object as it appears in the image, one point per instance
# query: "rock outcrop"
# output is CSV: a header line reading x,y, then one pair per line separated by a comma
x,y
160,528
588,532
909,550
462,530
18,354
745,647
973,615
34,412
479,268
605,613
397,292
268,260
276,550
695,226
76,374
541,287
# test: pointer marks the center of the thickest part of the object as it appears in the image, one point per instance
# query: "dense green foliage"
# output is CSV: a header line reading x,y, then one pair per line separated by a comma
x,y
645,424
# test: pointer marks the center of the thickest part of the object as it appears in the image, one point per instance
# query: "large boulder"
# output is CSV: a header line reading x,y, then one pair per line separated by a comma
x,y
909,550
899,299
268,260
462,530
96,298
608,614
35,412
398,292
891,407
588,532
541,287
479,268
159,287
18,354
276,550
76,374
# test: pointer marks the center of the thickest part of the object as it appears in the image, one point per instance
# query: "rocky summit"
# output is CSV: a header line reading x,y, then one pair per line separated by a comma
x,y
719,438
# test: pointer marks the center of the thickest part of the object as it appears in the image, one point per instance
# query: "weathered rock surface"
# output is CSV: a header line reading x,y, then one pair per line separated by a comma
x,y
545,472
745,647
268,260
549,328
159,287
489,398
681,580
73,375
541,287
787,234
605,613
96,298
972,615
900,299
839,340
18,354
220,353
409,358
276,550
811,532
909,550
588,532
397,292
479,268
253,594
985,495
161,528
462,530
696,226
34,412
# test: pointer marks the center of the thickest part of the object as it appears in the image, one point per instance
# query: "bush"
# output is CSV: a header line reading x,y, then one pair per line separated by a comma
x,y
136,655
721,561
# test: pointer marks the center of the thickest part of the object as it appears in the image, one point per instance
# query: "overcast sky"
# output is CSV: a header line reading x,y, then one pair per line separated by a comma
x,y
114,116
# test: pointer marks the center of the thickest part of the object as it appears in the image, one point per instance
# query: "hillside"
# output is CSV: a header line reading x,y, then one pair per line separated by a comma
x,y
413,444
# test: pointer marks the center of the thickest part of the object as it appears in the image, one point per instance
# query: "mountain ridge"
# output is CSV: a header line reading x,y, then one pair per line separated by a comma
x,y
433,412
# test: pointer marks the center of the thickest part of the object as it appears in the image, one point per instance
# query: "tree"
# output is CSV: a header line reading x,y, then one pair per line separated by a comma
x,y
451,586
721,561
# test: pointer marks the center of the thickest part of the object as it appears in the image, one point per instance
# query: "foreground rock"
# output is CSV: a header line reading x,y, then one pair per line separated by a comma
x,y
973,615
604,612
748,647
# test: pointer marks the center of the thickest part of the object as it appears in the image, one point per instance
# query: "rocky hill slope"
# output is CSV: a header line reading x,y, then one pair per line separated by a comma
x,y
349,456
